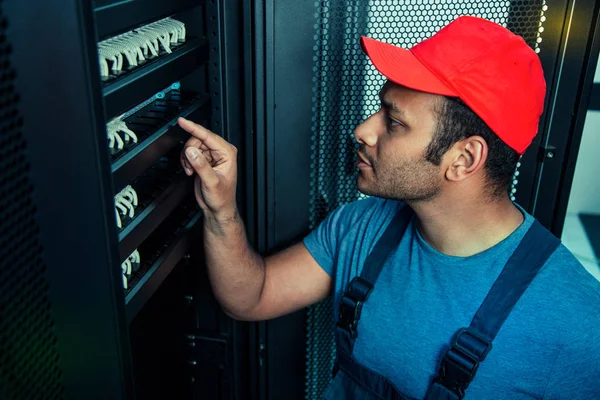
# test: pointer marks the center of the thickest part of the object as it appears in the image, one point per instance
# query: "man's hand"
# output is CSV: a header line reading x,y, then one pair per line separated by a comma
x,y
213,160
247,286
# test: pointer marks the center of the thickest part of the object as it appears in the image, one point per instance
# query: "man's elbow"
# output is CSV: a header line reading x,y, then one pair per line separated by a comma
x,y
242,315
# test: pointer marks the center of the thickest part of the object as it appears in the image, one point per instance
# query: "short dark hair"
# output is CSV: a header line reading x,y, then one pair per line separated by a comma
x,y
456,121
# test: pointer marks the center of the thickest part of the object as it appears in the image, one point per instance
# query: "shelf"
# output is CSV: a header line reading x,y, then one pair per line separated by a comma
x,y
121,16
134,87
146,222
135,161
147,285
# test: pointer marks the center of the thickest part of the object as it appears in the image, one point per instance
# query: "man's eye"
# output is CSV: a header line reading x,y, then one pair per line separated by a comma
x,y
391,123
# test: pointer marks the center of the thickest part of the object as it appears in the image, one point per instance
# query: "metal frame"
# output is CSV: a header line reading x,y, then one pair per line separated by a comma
x,y
256,72
64,128
594,104
282,203
548,56
235,92
577,61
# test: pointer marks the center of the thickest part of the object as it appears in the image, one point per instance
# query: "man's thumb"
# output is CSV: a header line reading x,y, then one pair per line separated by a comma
x,y
192,154
200,165
195,158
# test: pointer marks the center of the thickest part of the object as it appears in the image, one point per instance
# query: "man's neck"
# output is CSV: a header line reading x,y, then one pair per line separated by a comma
x,y
462,228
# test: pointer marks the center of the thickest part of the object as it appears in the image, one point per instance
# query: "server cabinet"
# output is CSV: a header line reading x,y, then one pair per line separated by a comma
x,y
314,86
93,199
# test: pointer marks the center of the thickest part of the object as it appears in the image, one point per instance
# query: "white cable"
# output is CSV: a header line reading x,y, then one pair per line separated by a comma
x,y
141,45
177,28
182,31
122,127
124,281
107,53
119,205
152,46
136,45
119,223
130,194
127,266
173,30
167,28
135,257
103,64
124,46
133,195
111,137
123,201
164,39
158,33
180,27
120,143
113,52
113,127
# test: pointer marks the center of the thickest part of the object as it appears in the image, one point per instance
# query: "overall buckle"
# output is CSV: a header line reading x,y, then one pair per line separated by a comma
x,y
461,361
351,305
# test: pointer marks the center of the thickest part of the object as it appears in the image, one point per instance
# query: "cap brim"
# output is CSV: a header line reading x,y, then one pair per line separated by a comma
x,y
402,67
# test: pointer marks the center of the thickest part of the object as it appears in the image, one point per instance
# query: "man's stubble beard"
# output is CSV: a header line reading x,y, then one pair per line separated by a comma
x,y
410,182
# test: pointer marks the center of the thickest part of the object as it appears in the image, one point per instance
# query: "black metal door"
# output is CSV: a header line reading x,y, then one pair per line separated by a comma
x,y
64,333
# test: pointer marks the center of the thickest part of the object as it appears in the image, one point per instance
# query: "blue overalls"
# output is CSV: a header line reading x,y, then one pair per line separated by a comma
x,y
469,346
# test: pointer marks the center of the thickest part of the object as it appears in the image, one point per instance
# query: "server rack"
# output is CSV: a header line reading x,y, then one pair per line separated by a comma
x,y
70,328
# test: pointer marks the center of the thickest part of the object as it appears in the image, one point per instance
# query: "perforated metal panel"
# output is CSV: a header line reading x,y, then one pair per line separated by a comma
x,y
28,355
345,88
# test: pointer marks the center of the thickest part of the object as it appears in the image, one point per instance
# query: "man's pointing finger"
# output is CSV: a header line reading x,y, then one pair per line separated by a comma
x,y
211,140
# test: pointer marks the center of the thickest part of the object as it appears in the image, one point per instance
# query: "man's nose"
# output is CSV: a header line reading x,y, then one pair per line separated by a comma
x,y
367,132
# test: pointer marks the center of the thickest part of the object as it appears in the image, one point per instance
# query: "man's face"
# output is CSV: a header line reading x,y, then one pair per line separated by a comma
x,y
393,143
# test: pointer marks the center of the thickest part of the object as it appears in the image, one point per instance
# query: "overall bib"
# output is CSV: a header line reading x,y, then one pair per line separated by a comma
x,y
469,346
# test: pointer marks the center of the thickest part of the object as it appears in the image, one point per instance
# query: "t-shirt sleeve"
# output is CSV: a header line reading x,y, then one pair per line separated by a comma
x,y
322,242
575,371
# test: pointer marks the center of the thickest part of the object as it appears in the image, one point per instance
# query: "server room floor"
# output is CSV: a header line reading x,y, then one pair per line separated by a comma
x,y
576,240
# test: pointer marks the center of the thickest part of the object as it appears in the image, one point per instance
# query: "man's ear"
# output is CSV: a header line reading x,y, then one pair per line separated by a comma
x,y
466,158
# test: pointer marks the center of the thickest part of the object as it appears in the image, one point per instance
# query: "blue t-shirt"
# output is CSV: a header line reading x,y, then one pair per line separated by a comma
x,y
549,346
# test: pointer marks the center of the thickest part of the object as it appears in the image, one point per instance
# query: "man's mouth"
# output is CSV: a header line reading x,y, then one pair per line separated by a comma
x,y
362,162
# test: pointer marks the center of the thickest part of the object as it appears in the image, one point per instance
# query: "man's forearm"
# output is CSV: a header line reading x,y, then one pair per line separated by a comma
x,y
236,271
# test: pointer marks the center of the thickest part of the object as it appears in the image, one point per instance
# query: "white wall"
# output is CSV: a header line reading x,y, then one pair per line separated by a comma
x,y
585,193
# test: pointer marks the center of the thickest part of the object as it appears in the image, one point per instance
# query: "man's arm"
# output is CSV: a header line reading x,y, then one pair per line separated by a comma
x,y
247,286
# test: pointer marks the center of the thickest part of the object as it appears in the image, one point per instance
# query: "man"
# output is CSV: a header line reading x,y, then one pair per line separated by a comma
x,y
451,250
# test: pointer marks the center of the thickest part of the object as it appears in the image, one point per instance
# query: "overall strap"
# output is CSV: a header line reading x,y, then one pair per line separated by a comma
x,y
361,287
471,345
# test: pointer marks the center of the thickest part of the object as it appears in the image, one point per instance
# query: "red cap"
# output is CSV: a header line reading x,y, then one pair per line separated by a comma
x,y
484,64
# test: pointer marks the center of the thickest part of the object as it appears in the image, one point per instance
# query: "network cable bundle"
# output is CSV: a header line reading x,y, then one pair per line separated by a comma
x,y
131,49
150,187
129,266
115,142
125,202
